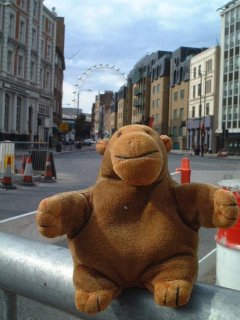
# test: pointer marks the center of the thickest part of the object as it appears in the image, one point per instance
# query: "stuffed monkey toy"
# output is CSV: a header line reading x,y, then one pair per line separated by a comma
x,y
135,226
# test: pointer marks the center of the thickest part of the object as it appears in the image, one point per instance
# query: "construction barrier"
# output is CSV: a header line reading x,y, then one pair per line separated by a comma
x,y
7,149
228,245
7,176
44,274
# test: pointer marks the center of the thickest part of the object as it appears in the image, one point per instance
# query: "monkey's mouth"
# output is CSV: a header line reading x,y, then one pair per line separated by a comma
x,y
142,155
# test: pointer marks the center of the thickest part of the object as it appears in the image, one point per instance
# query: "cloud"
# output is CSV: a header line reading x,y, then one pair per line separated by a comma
x,y
121,32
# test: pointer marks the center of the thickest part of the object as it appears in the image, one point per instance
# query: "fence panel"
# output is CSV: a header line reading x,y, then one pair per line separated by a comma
x,y
37,150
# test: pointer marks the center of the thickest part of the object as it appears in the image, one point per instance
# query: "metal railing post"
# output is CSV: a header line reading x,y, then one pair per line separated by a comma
x,y
9,305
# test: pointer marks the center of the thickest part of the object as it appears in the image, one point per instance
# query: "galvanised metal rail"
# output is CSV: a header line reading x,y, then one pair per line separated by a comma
x,y
43,273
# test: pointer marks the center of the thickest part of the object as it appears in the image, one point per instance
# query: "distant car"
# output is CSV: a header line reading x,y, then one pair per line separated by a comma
x,y
88,142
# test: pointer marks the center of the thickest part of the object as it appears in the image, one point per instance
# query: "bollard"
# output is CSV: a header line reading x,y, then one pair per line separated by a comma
x,y
185,170
228,246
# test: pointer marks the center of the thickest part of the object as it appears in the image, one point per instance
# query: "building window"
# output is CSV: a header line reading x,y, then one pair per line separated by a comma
x,y
158,87
199,70
21,66
194,72
18,115
10,61
35,9
33,71
47,81
194,91
193,112
154,89
49,52
11,30
181,94
175,113
237,62
34,38
207,109
175,96
209,65
42,49
41,78
158,103
180,131
199,89
6,113
23,4
208,88
175,131
181,113
22,31
236,85
49,27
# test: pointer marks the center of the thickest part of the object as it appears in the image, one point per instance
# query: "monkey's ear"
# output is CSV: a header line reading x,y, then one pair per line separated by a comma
x,y
167,142
101,146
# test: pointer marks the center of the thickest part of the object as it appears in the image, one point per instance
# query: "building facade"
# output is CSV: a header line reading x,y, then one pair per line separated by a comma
x,y
141,87
27,64
229,96
159,97
203,101
102,114
179,92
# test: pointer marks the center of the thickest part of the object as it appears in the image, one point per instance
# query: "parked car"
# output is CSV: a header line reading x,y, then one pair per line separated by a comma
x,y
88,142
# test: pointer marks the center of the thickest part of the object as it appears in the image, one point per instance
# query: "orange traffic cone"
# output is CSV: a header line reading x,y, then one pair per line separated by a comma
x,y
48,176
185,170
28,173
7,176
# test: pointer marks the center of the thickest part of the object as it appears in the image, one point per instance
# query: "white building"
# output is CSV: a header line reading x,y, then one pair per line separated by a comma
x,y
203,100
27,59
229,97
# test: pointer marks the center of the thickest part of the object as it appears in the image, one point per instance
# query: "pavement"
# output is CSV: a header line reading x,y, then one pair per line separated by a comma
x,y
206,155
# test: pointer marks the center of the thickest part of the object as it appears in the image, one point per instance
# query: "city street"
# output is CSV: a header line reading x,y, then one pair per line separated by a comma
x,y
79,169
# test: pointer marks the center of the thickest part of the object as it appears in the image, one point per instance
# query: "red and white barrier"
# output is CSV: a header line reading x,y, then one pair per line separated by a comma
x,y
228,246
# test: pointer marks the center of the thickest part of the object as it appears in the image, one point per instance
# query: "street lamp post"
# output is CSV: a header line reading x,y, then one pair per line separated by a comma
x,y
78,96
201,121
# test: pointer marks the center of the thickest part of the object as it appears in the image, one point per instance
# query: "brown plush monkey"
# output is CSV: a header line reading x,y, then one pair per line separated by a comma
x,y
135,226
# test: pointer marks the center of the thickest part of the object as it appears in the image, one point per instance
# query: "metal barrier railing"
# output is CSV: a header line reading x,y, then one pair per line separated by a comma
x,y
43,273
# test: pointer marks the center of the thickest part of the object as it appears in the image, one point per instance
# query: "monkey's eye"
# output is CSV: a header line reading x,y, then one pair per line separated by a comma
x,y
148,132
119,134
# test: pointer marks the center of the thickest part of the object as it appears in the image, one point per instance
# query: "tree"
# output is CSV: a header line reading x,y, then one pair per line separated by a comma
x,y
81,127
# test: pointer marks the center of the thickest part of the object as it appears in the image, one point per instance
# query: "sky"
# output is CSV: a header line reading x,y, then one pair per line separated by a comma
x,y
118,33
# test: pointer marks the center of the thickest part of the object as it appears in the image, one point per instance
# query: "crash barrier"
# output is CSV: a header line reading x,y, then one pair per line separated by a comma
x,y
228,245
43,273
24,225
